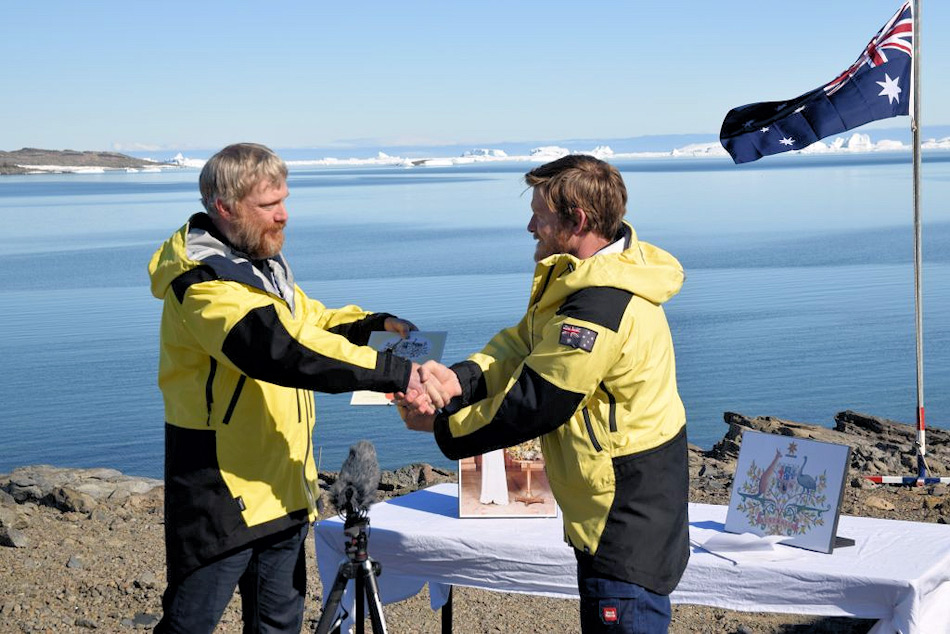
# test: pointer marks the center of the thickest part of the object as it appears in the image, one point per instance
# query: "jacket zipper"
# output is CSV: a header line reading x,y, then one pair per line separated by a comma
x,y
209,392
234,400
311,504
613,407
590,430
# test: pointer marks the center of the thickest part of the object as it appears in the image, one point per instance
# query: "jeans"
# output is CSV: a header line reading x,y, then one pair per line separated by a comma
x,y
614,606
271,574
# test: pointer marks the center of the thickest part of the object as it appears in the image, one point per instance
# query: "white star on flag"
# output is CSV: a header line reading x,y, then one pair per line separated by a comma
x,y
890,88
787,141
764,129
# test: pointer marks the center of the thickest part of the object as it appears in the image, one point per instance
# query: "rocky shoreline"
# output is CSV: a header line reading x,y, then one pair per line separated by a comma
x,y
82,549
33,160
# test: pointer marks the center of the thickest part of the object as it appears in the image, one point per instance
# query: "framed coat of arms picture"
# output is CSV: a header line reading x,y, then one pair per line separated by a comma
x,y
788,486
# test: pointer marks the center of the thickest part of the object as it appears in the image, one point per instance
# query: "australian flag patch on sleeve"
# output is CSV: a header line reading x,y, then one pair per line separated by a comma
x,y
578,337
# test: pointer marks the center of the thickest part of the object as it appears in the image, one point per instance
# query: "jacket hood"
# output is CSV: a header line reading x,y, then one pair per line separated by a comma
x,y
200,243
641,268
169,261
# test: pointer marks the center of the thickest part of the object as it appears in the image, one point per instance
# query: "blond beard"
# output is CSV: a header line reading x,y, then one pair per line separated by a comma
x,y
258,244
545,249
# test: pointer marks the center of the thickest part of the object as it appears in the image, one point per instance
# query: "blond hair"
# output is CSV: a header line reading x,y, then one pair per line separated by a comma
x,y
232,173
578,180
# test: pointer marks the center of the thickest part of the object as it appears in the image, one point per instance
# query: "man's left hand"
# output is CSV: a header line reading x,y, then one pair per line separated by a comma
x,y
400,326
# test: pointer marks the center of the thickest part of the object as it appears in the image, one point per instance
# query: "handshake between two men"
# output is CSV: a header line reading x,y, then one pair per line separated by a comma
x,y
431,387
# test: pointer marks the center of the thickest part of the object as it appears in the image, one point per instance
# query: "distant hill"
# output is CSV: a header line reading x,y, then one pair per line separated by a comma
x,y
17,162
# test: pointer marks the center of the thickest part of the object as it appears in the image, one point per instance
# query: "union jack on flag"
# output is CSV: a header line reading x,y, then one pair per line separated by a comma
x,y
577,337
876,86
897,34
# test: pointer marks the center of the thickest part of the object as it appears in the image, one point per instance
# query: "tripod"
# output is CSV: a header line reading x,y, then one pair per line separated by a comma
x,y
364,570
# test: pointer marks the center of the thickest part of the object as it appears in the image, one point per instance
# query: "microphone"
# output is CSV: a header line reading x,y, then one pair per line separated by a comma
x,y
355,489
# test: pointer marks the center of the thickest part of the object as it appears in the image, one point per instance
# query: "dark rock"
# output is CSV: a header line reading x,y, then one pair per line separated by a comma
x,y
69,501
42,484
406,478
12,538
86,623
146,580
144,620
74,562
846,420
327,478
413,476
426,475
99,515
8,516
119,496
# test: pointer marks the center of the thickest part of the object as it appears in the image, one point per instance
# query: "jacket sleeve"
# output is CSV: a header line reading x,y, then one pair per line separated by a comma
x,y
532,393
350,321
487,372
259,337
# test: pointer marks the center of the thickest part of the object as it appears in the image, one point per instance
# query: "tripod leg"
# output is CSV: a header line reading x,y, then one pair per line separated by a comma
x,y
327,622
372,596
447,613
360,590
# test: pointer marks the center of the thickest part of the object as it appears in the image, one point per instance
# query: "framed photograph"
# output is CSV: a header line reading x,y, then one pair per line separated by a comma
x,y
789,486
506,483
419,346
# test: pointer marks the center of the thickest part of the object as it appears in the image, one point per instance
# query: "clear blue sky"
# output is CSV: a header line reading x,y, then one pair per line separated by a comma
x,y
130,75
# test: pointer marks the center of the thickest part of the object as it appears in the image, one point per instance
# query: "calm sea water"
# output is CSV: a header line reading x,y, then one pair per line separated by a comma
x,y
798,301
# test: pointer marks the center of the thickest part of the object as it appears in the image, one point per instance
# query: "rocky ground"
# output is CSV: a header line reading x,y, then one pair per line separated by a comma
x,y
19,161
82,549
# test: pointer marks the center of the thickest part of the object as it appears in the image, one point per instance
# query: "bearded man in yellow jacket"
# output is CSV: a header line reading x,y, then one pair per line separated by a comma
x,y
242,350
590,370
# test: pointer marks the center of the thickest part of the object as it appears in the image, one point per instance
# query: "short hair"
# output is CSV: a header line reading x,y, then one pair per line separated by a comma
x,y
578,180
233,172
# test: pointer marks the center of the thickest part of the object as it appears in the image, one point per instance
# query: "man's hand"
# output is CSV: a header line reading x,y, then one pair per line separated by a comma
x,y
441,383
400,326
416,396
415,405
412,414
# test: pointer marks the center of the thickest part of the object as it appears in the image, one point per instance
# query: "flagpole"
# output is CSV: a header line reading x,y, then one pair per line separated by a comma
x,y
918,258
922,478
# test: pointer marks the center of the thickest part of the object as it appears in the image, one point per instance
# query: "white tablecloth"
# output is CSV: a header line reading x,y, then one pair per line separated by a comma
x,y
897,572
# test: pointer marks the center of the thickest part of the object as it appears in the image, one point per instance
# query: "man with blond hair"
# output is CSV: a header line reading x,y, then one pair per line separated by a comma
x,y
242,350
589,369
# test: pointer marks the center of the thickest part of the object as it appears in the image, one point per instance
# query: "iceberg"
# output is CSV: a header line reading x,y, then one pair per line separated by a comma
x,y
548,153
694,150
482,152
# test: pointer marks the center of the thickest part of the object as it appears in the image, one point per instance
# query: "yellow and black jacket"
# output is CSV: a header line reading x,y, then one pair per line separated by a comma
x,y
590,370
242,348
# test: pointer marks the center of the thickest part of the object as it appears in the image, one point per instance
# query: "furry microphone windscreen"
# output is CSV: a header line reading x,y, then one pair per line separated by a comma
x,y
355,489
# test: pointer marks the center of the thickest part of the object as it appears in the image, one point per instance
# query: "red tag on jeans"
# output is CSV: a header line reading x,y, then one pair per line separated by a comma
x,y
609,614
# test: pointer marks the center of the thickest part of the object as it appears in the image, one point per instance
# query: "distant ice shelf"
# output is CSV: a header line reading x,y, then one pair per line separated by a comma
x,y
857,143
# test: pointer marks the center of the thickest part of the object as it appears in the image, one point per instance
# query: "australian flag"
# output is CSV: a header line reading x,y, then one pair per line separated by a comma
x,y
876,86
